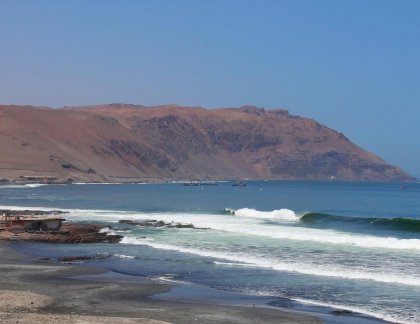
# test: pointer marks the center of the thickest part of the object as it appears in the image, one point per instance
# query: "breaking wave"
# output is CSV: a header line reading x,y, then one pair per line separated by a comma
x,y
308,269
280,214
327,236
398,223
251,225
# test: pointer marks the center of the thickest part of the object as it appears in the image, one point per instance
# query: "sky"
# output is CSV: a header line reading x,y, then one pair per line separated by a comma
x,y
353,65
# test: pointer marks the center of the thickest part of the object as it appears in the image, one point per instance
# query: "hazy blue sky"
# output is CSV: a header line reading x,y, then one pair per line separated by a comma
x,y
352,65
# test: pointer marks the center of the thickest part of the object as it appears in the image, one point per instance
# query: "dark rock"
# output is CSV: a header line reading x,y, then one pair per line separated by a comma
x,y
69,166
70,233
145,223
339,312
156,223
74,258
179,225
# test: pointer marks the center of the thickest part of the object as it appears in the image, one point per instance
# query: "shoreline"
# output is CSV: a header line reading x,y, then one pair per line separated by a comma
x,y
48,292
174,292
159,181
182,300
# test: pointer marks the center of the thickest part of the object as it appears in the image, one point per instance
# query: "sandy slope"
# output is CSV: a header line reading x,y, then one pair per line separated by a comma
x,y
120,143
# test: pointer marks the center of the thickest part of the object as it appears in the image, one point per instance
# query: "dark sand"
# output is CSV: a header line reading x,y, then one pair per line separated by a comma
x,y
43,292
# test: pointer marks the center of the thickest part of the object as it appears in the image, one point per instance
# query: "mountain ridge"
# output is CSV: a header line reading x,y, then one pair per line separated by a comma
x,y
134,143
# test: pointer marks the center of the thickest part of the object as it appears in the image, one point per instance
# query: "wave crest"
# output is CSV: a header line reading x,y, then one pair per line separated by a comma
x,y
258,261
280,214
397,223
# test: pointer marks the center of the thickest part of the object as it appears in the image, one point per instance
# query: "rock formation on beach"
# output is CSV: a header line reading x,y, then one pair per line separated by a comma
x,y
70,233
129,143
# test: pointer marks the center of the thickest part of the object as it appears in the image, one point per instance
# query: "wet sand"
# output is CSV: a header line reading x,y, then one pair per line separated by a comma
x,y
46,292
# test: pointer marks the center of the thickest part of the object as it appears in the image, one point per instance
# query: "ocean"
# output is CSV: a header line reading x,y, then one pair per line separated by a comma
x,y
346,245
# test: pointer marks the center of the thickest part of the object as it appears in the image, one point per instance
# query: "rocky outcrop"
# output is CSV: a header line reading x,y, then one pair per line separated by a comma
x,y
127,143
69,233
156,223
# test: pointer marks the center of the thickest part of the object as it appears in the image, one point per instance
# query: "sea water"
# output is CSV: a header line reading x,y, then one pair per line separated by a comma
x,y
347,245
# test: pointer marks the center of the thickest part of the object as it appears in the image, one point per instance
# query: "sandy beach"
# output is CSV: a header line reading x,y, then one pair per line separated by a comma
x,y
45,292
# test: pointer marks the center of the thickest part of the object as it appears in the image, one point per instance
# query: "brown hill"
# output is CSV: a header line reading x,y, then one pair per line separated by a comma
x,y
134,143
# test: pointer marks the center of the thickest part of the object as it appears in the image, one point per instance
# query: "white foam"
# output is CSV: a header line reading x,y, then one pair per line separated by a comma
x,y
17,186
123,256
97,183
360,310
169,279
35,185
230,211
29,208
253,226
264,262
22,186
107,231
279,214
235,264
323,236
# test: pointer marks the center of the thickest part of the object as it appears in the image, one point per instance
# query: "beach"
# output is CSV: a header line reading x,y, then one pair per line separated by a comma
x,y
47,292
331,250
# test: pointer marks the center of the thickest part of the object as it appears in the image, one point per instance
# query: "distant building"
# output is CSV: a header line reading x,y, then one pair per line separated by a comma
x,y
38,179
30,223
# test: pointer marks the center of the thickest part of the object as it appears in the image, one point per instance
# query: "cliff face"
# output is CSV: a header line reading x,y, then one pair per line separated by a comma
x,y
135,143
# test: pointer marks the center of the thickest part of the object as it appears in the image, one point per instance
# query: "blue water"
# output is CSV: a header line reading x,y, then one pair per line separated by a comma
x,y
347,245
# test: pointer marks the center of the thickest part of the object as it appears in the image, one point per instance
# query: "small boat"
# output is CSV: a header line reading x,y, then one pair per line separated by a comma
x,y
239,184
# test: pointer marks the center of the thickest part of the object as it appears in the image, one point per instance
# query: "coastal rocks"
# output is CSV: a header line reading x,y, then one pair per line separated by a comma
x,y
70,233
81,258
70,259
179,225
339,312
156,223
145,223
